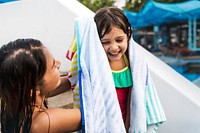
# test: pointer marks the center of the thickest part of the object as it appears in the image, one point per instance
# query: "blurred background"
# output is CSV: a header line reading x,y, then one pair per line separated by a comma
x,y
170,29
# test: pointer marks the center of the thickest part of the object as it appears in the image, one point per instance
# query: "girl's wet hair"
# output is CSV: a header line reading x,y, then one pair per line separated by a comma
x,y
22,68
108,17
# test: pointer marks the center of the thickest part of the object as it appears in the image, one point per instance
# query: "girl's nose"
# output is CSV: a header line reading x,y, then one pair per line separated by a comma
x,y
114,47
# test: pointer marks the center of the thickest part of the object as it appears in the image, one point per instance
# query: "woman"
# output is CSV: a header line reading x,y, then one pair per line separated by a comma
x,y
28,73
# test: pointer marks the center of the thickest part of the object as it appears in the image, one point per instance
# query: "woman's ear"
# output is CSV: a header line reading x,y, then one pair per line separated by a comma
x,y
37,92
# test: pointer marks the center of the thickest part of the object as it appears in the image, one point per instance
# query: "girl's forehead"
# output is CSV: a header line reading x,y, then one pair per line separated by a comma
x,y
113,29
109,28
115,32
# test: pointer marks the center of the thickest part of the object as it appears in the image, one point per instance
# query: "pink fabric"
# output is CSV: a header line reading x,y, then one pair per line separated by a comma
x,y
122,94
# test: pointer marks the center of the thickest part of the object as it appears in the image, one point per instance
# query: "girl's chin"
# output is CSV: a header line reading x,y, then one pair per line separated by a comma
x,y
58,82
114,59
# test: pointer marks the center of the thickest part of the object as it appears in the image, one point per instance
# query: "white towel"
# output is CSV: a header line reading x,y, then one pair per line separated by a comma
x,y
146,111
139,74
99,105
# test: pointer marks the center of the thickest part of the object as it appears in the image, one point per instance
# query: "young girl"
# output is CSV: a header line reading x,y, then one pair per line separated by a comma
x,y
115,33
28,73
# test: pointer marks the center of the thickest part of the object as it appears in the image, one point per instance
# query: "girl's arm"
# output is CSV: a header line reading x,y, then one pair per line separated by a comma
x,y
64,86
57,120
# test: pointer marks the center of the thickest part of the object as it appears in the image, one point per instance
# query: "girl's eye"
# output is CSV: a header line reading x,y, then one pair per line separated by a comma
x,y
104,43
119,40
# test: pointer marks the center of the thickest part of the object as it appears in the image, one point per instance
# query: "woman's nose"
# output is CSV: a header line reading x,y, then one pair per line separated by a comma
x,y
58,63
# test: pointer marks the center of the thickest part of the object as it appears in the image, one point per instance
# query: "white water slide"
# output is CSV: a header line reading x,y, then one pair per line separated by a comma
x,y
52,22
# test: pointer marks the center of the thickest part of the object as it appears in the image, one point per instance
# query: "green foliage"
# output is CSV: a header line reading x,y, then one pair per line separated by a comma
x,y
131,5
94,5
137,5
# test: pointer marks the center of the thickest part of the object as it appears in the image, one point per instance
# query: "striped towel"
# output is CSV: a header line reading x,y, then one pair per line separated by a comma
x,y
146,109
72,50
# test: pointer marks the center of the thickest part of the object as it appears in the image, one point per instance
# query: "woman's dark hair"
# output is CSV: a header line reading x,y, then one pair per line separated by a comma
x,y
107,17
22,68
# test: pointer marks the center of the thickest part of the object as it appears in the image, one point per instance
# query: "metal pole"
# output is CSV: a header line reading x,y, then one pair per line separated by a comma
x,y
195,33
190,45
155,29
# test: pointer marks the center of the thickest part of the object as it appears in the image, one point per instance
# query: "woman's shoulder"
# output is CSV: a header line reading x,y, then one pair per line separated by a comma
x,y
40,121
56,120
